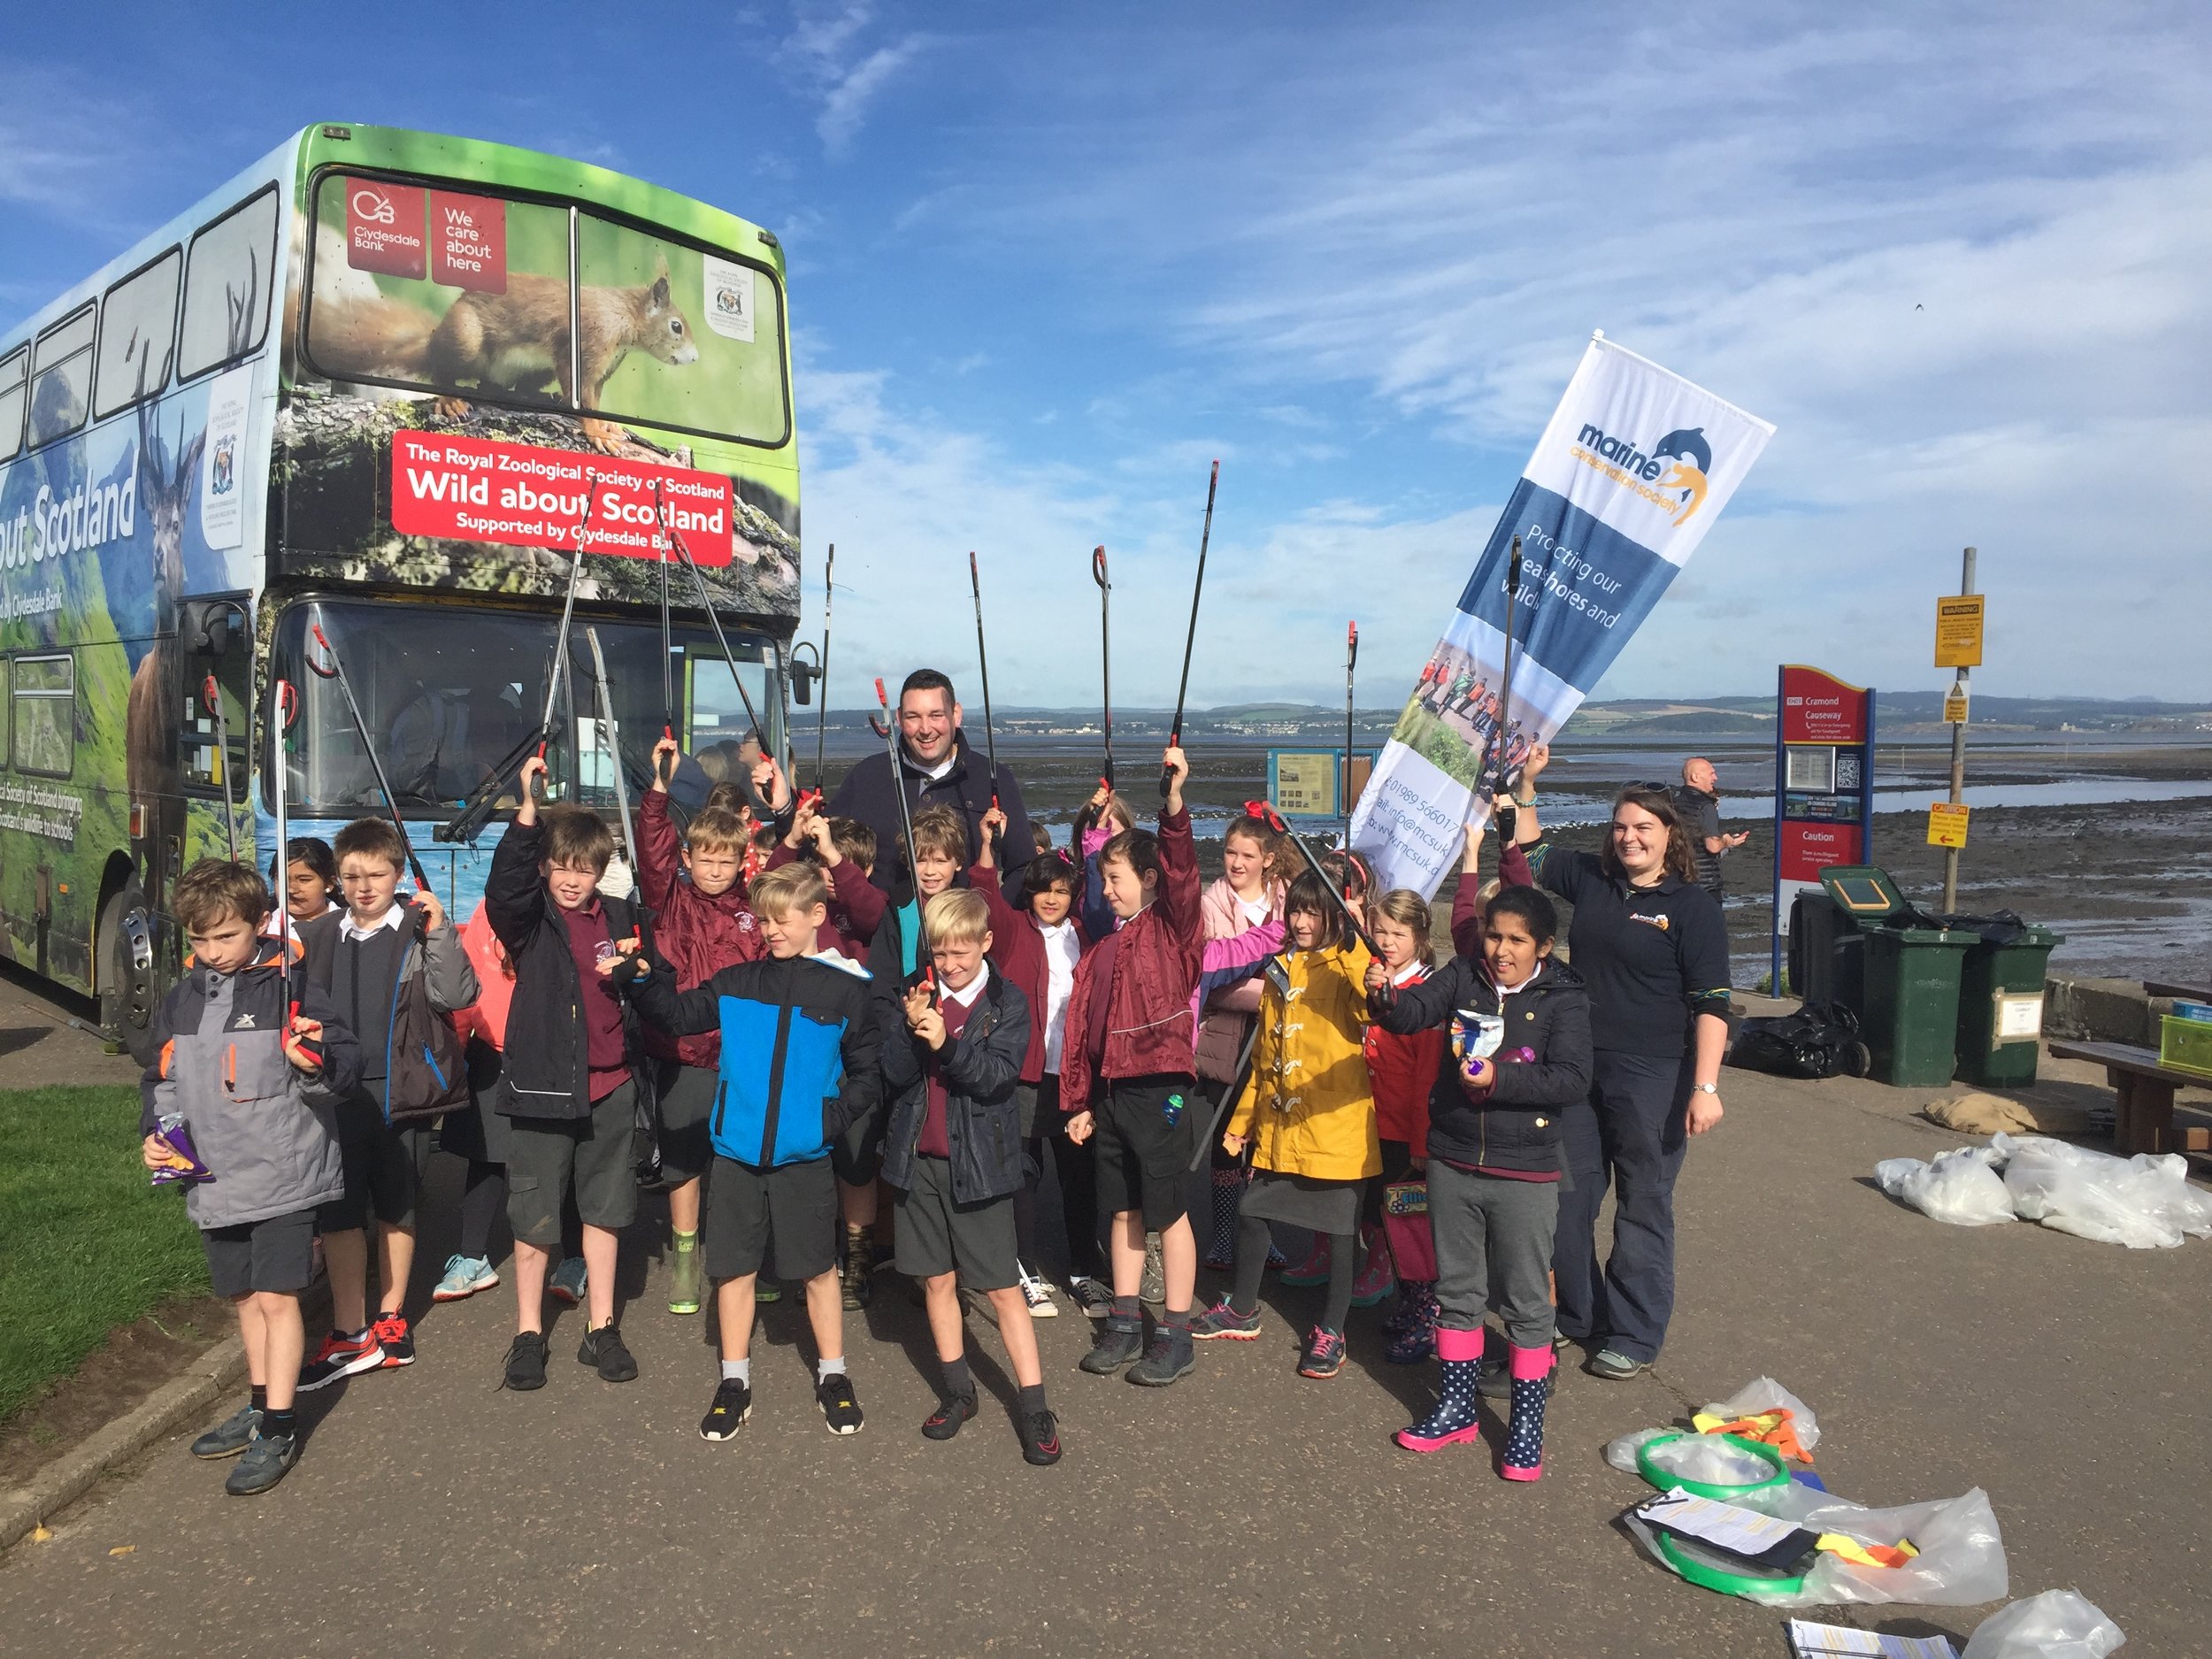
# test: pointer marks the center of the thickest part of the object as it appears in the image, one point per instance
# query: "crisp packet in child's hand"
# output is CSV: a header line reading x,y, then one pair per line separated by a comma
x,y
183,1166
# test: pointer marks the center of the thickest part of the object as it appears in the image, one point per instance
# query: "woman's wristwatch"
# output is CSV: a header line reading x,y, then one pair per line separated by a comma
x,y
1704,1088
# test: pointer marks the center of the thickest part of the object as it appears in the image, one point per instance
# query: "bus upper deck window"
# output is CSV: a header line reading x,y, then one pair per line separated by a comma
x,y
61,378
14,379
696,338
139,337
227,280
392,259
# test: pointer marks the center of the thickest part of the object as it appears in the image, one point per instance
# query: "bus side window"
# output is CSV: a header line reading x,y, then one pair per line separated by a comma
x,y
61,378
14,381
43,690
227,280
218,656
138,340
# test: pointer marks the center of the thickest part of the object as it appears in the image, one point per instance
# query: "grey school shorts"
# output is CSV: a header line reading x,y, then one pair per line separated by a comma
x,y
597,1154
277,1254
938,1235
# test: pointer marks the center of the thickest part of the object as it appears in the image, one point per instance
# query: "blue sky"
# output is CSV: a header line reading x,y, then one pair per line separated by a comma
x,y
1046,262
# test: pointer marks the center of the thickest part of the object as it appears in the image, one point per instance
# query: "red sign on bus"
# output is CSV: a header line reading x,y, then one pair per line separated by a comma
x,y
519,495
384,227
468,242
1818,708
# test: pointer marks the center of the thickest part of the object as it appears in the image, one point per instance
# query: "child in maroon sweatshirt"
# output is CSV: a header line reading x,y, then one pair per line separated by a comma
x,y
846,849
704,926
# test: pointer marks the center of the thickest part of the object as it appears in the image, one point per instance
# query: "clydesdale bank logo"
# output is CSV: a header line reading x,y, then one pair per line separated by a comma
x,y
1672,477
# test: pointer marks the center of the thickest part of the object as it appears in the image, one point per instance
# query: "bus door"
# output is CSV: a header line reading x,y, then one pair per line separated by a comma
x,y
214,738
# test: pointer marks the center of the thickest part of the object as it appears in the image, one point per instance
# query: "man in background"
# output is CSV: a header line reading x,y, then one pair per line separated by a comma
x,y
1698,799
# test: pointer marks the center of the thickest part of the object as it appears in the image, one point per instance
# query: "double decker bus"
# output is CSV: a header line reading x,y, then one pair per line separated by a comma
x,y
380,385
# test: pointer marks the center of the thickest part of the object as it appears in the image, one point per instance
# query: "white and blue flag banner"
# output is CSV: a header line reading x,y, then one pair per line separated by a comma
x,y
1635,466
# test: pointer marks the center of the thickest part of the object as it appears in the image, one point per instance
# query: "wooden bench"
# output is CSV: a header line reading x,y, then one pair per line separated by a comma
x,y
2144,1119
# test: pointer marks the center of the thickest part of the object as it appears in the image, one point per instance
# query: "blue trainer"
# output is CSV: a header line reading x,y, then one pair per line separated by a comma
x,y
465,1275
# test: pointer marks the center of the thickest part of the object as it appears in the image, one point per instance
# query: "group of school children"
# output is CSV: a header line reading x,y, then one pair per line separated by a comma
x,y
785,1036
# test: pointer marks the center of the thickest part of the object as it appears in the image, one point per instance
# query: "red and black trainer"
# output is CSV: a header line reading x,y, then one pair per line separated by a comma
x,y
341,1356
396,1338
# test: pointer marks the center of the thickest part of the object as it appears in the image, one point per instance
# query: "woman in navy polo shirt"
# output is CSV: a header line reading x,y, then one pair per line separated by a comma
x,y
1651,946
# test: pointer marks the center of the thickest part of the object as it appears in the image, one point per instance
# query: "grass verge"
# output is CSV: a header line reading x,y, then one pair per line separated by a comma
x,y
85,1244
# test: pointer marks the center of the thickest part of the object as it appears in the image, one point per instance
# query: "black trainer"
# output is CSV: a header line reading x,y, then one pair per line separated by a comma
x,y
229,1437
733,1406
1040,1437
1169,1357
526,1361
840,1406
604,1348
1120,1339
268,1459
952,1411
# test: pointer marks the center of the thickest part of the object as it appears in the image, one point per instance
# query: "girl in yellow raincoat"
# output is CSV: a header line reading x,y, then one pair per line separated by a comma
x,y
1308,1113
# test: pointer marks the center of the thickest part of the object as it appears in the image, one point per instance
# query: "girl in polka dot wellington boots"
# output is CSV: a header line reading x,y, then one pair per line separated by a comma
x,y
1518,1055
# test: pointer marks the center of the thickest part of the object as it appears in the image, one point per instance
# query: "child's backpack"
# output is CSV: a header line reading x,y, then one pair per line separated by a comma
x,y
495,980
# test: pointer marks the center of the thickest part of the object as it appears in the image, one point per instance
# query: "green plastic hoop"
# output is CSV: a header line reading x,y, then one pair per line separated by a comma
x,y
1708,1577
1666,1482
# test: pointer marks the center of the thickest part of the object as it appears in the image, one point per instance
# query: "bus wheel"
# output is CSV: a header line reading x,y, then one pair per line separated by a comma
x,y
127,996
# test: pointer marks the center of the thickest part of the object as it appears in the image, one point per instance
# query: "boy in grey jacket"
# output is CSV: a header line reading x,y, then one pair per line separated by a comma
x,y
258,1086
394,967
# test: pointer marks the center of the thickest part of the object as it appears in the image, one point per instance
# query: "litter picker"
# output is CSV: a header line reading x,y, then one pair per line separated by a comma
x,y
334,668
761,808
983,661
668,652
288,708
475,811
1105,654
1351,656
1505,674
1190,636
212,697
821,691
611,734
1265,811
889,729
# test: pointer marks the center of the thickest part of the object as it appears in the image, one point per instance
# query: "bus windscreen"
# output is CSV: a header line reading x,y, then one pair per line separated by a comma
x,y
449,692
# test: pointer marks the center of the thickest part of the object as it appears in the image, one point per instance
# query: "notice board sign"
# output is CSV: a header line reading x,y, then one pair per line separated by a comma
x,y
1824,784
1303,782
1958,639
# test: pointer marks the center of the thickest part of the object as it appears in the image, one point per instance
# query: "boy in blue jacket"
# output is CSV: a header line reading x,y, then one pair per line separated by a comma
x,y
798,1065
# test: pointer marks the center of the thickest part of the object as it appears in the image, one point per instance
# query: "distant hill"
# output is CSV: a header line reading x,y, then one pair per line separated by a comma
x,y
1896,711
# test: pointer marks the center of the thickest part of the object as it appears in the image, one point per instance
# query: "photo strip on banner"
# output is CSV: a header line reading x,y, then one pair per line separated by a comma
x,y
1634,465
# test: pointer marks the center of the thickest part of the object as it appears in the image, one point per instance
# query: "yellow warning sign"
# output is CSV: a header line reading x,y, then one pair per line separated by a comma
x,y
1958,630
1947,824
1954,706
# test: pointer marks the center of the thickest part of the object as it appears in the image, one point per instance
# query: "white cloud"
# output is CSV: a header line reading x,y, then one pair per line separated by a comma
x,y
1957,259
824,46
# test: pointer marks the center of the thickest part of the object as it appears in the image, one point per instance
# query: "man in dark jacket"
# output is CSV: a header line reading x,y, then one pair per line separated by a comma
x,y
936,768
953,1149
1697,798
569,1086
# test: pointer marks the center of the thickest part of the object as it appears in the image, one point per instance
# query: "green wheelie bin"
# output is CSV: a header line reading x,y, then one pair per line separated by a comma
x,y
2000,1001
1908,1017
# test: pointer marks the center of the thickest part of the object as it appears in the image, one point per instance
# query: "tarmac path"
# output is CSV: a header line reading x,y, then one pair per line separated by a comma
x,y
1243,1511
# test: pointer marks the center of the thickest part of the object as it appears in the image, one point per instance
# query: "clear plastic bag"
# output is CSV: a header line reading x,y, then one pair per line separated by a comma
x,y
2144,1203
1960,1186
1622,1452
1764,1394
1711,1460
1961,1563
2057,1625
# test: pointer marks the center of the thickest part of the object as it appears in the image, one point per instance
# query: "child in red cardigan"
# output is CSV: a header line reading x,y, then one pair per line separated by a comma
x,y
1404,1070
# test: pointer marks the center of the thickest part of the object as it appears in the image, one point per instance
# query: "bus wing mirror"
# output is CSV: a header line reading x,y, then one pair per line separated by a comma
x,y
802,683
206,626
